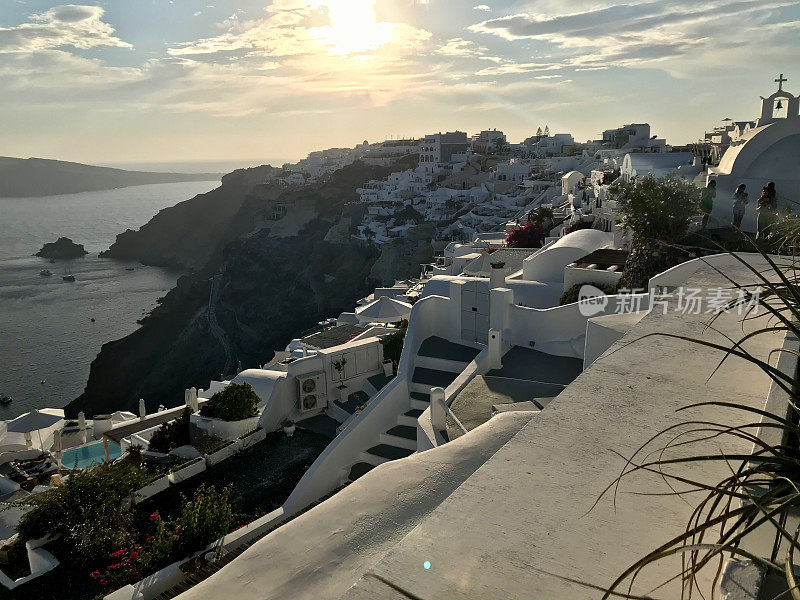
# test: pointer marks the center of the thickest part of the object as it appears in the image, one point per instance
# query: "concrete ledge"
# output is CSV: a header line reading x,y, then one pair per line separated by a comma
x,y
741,580
778,401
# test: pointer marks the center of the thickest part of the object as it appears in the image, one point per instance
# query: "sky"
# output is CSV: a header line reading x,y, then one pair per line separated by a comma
x,y
127,81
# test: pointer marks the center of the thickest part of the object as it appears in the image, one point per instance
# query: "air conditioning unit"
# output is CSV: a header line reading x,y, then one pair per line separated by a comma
x,y
311,392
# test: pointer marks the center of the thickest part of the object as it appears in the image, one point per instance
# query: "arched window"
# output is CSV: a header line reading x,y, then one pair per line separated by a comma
x,y
780,108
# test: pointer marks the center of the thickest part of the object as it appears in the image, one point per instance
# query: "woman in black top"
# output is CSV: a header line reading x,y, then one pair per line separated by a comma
x,y
767,208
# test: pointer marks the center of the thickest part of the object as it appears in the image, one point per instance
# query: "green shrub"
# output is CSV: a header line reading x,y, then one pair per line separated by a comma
x,y
393,343
204,518
572,294
172,435
658,208
658,213
86,511
236,402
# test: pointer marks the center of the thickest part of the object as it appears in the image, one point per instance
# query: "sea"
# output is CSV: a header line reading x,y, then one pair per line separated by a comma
x,y
51,330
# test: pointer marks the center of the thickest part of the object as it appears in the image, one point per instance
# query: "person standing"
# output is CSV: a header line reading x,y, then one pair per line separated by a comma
x,y
707,201
767,209
740,202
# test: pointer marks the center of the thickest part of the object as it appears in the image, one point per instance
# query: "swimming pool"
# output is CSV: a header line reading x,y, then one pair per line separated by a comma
x,y
91,454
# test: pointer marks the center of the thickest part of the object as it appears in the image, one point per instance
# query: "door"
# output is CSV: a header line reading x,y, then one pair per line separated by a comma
x,y
475,312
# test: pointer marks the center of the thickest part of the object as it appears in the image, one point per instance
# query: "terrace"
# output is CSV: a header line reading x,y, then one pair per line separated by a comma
x,y
518,492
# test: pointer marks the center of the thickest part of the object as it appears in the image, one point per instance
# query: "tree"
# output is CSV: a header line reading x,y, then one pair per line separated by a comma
x,y
530,236
658,213
500,144
393,344
236,402
539,133
547,131
542,215
85,511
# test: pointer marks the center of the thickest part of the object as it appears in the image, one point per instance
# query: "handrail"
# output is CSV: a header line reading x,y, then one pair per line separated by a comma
x,y
450,414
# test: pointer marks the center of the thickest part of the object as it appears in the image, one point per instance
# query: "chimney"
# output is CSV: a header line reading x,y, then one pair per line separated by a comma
x,y
498,276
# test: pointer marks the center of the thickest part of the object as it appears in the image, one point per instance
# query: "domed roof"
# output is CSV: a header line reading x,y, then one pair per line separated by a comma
x,y
769,152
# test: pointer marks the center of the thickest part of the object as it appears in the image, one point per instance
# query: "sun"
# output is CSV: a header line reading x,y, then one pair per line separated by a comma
x,y
353,28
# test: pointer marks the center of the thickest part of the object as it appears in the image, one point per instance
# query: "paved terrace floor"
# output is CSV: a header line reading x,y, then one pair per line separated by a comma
x,y
526,374
527,510
492,530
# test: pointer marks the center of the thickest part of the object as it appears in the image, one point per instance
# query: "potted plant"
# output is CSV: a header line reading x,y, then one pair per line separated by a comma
x,y
288,427
339,365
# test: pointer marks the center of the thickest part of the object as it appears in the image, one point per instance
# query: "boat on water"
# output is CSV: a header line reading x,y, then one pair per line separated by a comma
x,y
5,400
130,268
46,273
69,277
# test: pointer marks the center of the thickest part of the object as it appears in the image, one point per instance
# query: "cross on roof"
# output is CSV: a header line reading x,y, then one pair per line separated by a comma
x,y
780,81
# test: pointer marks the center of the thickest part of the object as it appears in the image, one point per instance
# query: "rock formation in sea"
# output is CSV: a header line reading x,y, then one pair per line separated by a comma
x,y
63,247
268,263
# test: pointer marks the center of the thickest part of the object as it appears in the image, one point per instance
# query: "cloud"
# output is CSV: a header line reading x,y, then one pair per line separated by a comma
x,y
307,27
619,19
73,25
517,68
459,47
640,34
322,46
483,7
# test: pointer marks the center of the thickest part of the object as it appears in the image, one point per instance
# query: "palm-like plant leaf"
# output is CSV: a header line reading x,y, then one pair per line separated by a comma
x,y
762,486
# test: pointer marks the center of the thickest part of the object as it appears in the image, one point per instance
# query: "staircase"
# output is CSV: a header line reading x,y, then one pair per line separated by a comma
x,y
437,364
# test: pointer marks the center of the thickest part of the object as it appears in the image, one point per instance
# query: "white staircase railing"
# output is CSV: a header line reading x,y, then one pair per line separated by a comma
x,y
429,317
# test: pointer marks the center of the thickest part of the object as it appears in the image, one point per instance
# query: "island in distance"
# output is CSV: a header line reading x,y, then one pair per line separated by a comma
x,y
32,177
62,248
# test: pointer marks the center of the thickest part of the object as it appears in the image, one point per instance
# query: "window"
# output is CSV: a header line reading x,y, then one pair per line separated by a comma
x,y
780,108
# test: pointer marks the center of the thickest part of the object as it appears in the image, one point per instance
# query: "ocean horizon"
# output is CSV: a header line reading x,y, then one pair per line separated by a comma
x,y
200,166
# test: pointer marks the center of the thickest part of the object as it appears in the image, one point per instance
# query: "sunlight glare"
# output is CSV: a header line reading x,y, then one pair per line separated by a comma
x,y
352,28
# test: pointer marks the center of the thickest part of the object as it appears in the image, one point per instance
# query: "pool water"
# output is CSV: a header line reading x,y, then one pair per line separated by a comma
x,y
91,454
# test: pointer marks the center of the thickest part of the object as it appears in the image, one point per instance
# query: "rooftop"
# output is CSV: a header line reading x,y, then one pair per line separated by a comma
x,y
512,257
498,509
335,336
603,258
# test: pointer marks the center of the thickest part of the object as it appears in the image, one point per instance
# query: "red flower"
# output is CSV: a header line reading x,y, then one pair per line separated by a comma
x,y
150,539
103,582
94,574
155,517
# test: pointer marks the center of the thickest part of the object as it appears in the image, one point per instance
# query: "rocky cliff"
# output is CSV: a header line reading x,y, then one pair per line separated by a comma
x,y
190,234
260,285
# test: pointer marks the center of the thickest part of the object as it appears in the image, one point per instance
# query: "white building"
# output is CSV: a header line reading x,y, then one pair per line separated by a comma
x,y
639,165
770,151
487,141
439,148
635,136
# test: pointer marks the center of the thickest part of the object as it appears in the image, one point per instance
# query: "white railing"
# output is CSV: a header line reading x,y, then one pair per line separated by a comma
x,y
430,316
439,411
429,435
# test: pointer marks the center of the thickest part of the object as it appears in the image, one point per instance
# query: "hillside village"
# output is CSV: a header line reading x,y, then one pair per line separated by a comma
x,y
447,435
